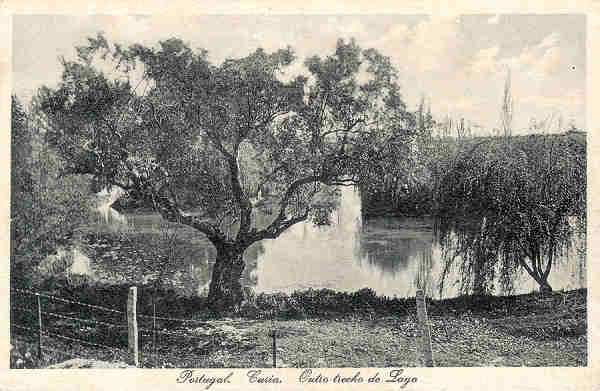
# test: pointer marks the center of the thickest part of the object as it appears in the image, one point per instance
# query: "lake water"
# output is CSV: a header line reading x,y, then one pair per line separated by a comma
x,y
387,255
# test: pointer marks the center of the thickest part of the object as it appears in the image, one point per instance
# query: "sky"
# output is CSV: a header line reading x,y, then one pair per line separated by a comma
x,y
458,64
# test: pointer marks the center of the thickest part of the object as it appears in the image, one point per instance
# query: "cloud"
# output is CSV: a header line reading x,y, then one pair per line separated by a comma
x,y
552,61
430,45
428,55
542,82
539,59
485,61
549,41
338,28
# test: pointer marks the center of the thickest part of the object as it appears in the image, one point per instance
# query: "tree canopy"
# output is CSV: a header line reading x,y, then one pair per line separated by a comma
x,y
231,138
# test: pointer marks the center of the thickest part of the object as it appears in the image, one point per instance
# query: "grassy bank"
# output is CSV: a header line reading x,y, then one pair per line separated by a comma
x,y
323,328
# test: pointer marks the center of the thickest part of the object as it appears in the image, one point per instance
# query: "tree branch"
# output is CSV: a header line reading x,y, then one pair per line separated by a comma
x,y
238,193
166,205
241,199
348,129
273,232
526,267
549,264
280,223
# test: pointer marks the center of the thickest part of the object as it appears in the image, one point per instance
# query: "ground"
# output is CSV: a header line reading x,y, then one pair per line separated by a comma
x,y
78,363
393,342
525,330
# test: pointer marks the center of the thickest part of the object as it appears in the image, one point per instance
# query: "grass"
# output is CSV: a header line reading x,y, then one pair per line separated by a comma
x,y
324,328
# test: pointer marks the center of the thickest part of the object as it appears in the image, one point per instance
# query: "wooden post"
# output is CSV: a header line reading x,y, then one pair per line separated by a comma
x,y
274,336
39,305
132,327
424,328
154,330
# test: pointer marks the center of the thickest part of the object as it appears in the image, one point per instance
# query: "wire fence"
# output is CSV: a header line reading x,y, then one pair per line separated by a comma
x,y
55,328
65,328
59,328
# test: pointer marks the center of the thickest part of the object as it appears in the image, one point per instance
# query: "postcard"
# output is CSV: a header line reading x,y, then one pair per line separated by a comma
x,y
291,196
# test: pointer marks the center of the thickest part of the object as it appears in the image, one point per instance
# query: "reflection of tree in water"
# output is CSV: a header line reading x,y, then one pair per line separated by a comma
x,y
423,278
393,255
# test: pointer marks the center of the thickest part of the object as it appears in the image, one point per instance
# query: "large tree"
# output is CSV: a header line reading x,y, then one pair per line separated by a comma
x,y
234,138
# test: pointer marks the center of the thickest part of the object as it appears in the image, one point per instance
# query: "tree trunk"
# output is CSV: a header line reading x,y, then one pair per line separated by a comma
x,y
540,278
225,291
479,287
545,287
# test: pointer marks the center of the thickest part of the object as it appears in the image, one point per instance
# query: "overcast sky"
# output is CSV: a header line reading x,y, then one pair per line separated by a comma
x,y
459,64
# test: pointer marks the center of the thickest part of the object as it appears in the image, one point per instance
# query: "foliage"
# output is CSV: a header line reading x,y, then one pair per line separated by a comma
x,y
228,139
410,187
46,207
506,206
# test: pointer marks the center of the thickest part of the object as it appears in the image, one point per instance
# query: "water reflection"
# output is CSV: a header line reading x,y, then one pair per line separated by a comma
x,y
392,256
393,244
382,254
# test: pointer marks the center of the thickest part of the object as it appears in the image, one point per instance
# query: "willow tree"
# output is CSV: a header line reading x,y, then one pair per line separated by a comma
x,y
235,138
504,209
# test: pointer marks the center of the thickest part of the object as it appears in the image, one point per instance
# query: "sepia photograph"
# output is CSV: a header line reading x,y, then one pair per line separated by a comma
x,y
298,191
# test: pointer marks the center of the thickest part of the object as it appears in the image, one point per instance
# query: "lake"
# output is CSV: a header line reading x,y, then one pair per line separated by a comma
x,y
385,254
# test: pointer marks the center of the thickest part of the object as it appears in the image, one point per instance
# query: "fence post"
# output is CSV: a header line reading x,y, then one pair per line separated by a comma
x,y
132,327
39,305
154,330
424,328
273,335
